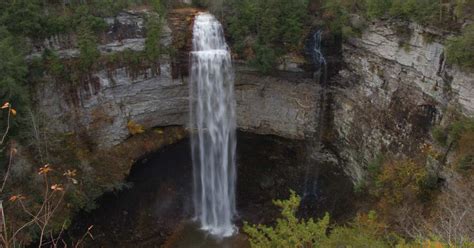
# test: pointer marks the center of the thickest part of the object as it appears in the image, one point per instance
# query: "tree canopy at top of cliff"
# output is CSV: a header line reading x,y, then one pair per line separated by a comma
x,y
262,31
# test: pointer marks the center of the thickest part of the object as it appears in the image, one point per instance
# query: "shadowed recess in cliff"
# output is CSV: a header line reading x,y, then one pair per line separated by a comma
x,y
212,112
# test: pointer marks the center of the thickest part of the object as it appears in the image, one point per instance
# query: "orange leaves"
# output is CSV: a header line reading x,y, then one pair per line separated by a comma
x,y
14,198
70,173
57,187
8,106
433,244
135,128
399,181
45,169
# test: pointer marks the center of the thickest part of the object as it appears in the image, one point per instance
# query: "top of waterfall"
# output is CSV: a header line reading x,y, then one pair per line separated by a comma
x,y
208,33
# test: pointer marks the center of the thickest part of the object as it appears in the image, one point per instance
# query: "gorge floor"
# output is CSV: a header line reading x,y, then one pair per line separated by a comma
x,y
156,209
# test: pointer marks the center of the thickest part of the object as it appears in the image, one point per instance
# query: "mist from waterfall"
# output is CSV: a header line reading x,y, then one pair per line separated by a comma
x,y
212,121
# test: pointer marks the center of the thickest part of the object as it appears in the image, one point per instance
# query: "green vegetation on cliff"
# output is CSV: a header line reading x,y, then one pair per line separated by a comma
x,y
13,69
364,231
458,136
75,177
421,11
460,50
427,12
264,30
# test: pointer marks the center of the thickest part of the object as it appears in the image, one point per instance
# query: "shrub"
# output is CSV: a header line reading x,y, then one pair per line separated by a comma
x,y
460,49
465,150
464,9
440,135
153,49
289,230
13,72
159,7
55,66
421,11
135,128
89,53
23,17
364,231
375,166
337,18
265,58
459,128
399,181
377,8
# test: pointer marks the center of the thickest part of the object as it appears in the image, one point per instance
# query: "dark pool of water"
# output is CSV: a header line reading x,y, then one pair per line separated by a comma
x,y
157,210
189,235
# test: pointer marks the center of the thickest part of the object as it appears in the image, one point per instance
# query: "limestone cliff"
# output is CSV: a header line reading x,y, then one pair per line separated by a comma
x,y
104,105
394,88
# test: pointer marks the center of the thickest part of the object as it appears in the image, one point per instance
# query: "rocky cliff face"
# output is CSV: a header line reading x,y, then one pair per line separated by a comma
x,y
124,31
276,106
394,88
105,104
264,105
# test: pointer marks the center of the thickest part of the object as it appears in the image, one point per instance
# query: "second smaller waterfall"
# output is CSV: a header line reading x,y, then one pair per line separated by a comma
x,y
314,144
317,56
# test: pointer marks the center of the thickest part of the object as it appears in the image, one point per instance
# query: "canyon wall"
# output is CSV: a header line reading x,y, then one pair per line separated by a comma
x,y
394,87
105,104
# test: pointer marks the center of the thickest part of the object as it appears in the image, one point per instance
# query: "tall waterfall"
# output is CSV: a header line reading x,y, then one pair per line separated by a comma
x,y
213,123
314,146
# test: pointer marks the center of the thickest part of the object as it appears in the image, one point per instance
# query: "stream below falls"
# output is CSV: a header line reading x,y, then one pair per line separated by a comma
x,y
156,210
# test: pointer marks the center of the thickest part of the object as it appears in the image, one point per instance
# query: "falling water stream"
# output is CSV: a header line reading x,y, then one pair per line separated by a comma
x,y
314,145
213,123
318,56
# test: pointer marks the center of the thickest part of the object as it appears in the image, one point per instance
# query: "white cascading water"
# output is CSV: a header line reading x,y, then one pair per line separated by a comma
x,y
213,123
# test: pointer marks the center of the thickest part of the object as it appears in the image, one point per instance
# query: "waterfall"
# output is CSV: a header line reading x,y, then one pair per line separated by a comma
x,y
317,55
212,117
314,49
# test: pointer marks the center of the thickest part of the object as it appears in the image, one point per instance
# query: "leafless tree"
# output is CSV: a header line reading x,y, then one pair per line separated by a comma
x,y
454,218
51,202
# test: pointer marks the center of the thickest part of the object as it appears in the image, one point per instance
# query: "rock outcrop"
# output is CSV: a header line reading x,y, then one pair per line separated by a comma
x,y
105,104
394,88
276,106
124,31
264,105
